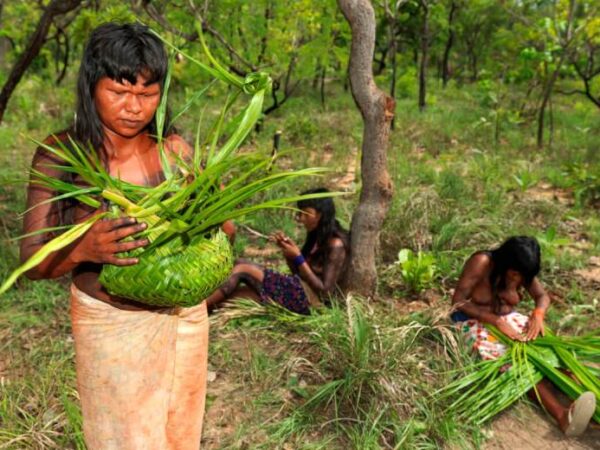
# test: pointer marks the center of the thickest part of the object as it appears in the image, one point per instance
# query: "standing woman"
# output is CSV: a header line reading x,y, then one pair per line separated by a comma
x,y
141,370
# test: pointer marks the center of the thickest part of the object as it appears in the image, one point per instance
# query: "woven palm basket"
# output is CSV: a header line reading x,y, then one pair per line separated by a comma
x,y
178,274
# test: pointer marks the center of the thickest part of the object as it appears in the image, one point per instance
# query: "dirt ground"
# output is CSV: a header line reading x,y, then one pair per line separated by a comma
x,y
534,431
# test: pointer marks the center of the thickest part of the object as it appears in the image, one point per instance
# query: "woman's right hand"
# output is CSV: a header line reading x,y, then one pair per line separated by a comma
x,y
508,330
103,241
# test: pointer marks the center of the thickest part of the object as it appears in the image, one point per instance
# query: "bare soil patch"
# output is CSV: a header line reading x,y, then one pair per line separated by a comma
x,y
547,192
535,431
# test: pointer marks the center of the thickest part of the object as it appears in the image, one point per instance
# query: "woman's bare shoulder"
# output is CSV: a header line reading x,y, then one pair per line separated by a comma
x,y
478,262
336,242
177,145
43,156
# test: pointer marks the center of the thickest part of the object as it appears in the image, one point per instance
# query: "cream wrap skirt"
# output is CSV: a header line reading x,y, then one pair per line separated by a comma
x,y
141,374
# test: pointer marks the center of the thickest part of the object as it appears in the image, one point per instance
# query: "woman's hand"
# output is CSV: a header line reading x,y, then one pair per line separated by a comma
x,y
508,330
289,248
103,240
535,326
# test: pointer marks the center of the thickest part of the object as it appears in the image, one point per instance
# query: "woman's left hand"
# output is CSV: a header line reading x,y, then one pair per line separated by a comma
x,y
535,326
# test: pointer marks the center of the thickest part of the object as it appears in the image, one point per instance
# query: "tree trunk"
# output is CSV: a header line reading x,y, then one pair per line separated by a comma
x,y
377,110
323,73
545,100
264,40
547,92
473,64
424,57
393,48
448,47
4,42
55,8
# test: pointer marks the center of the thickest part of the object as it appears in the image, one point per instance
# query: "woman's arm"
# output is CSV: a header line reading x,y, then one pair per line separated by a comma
x,y
474,271
535,326
44,216
98,245
332,269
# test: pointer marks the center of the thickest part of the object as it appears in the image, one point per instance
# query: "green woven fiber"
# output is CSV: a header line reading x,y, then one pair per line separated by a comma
x,y
180,274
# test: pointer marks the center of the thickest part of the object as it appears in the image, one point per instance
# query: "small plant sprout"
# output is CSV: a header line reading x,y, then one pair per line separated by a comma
x,y
417,269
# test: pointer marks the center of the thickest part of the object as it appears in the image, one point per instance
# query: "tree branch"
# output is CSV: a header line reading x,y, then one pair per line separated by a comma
x,y
191,37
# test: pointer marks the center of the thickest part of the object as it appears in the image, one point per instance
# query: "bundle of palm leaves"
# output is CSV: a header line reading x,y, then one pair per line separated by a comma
x,y
188,256
486,388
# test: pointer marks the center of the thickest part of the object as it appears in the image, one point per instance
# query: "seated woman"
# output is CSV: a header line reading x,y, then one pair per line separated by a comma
x,y
315,269
488,290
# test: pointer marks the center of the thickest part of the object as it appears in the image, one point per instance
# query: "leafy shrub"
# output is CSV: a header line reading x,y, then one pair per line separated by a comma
x,y
417,270
586,184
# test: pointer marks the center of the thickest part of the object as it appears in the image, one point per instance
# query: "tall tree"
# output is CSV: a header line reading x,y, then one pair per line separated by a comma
x,y
376,109
391,15
55,8
449,42
565,42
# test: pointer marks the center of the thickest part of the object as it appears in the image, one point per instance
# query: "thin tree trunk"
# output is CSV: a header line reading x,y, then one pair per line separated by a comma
x,y
393,48
55,8
448,47
323,73
376,109
65,56
424,57
551,117
473,64
264,40
4,41
288,88
547,93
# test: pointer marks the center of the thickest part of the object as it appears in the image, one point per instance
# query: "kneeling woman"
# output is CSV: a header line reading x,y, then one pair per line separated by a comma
x,y
316,268
488,290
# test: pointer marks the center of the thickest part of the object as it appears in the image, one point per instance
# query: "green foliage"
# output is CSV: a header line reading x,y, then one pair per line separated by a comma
x,y
484,389
525,180
416,269
585,183
456,190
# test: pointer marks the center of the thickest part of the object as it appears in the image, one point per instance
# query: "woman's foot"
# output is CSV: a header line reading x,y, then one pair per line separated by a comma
x,y
578,415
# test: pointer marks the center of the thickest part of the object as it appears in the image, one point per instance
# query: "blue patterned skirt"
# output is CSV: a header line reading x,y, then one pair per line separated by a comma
x,y
286,290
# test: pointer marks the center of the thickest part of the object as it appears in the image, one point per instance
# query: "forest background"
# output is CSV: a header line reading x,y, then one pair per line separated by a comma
x,y
496,133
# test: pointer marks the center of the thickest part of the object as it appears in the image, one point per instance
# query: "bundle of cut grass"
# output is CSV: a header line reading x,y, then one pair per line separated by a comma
x,y
188,255
486,388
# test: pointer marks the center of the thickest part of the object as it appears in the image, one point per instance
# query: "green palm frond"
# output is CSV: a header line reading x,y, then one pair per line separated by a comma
x,y
482,390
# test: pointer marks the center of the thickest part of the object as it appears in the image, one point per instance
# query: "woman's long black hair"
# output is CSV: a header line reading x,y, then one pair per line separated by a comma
x,y
120,52
328,226
520,253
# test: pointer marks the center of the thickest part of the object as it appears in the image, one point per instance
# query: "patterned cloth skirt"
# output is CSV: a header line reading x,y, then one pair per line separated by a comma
x,y
285,290
481,341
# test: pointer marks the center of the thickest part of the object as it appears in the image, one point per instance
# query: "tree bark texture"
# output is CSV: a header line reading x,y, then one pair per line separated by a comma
x,y
376,109
37,40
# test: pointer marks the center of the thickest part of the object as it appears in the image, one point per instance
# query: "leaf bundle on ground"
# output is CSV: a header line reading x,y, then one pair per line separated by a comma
x,y
483,389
